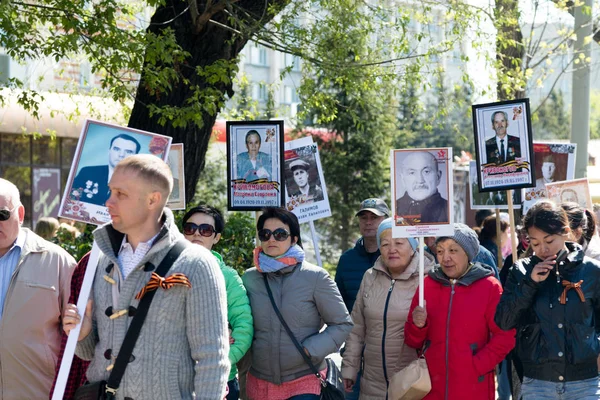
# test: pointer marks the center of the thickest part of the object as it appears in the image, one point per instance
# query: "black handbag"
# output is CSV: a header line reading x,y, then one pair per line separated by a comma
x,y
106,390
332,387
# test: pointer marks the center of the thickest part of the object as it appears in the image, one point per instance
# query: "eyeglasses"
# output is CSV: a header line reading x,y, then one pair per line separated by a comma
x,y
206,230
5,214
279,234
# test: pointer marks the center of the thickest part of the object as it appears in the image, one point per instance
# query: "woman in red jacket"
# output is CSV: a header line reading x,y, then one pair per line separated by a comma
x,y
464,342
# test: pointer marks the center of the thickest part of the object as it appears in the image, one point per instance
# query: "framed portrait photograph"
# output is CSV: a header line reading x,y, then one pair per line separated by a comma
x,y
305,191
503,145
553,162
422,186
254,165
489,200
100,148
576,191
175,161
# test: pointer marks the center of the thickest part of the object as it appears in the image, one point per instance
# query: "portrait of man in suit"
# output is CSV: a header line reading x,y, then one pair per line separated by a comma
x,y
502,147
91,183
253,164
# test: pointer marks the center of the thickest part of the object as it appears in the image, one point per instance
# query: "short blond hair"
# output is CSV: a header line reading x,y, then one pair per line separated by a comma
x,y
151,169
10,192
46,227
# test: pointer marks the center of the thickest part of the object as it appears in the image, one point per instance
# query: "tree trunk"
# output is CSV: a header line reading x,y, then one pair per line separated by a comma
x,y
509,46
206,42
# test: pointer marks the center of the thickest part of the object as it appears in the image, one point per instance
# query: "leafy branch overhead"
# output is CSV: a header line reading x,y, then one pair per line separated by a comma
x,y
175,61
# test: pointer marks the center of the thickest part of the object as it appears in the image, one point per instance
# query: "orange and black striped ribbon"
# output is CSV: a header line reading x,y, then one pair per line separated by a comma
x,y
165,283
571,285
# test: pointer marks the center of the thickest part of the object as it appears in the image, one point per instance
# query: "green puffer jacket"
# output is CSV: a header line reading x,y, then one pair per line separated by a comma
x,y
239,314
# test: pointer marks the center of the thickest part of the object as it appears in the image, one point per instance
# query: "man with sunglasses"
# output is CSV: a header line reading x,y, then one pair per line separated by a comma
x,y
35,280
182,347
203,225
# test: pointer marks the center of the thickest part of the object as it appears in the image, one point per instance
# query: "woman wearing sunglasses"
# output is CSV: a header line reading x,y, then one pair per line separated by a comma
x,y
203,225
306,297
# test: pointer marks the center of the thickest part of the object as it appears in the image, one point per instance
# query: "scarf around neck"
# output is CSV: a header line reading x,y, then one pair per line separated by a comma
x,y
266,264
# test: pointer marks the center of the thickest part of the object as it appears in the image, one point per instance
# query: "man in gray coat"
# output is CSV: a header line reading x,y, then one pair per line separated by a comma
x,y
182,350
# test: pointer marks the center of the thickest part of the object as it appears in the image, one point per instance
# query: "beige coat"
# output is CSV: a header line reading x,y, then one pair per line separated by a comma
x,y
368,331
30,329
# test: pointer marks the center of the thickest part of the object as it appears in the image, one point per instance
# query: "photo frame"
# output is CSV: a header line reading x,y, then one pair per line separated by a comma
x,y
86,189
254,165
422,192
175,162
553,162
503,145
489,200
577,191
305,190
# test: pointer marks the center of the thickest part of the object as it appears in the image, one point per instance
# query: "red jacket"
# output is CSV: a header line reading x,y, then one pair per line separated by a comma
x,y
465,342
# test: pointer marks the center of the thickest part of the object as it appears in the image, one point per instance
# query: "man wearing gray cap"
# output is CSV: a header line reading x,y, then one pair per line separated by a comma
x,y
355,261
307,191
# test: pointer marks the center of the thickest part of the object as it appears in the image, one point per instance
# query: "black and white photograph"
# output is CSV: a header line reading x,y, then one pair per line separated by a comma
x,y
100,148
503,145
175,162
489,200
306,194
422,186
254,160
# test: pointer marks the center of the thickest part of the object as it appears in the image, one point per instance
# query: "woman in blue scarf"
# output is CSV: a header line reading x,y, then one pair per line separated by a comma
x,y
306,297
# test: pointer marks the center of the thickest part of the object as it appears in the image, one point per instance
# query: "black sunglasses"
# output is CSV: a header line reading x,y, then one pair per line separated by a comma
x,y
279,234
206,230
5,214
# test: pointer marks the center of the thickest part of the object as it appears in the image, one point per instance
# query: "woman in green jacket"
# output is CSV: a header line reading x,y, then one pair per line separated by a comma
x,y
203,225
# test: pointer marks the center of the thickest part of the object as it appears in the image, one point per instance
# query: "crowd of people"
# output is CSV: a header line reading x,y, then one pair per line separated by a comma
x,y
489,328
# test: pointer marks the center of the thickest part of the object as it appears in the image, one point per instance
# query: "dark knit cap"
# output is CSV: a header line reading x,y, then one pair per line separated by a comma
x,y
466,238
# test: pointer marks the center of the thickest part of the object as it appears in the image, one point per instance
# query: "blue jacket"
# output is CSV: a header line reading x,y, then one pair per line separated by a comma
x,y
350,270
484,257
245,169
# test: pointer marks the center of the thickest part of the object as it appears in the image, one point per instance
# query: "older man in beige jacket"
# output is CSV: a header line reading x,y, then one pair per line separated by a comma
x,y
35,279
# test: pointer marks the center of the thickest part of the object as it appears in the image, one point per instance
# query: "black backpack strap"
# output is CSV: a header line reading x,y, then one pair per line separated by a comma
x,y
299,347
114,380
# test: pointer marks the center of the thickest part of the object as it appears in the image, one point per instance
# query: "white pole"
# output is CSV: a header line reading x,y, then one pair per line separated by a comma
x,y
84,294
421,271
313,233
582,53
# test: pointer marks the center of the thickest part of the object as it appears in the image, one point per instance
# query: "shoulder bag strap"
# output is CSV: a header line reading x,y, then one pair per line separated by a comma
x,y
114,380
290,334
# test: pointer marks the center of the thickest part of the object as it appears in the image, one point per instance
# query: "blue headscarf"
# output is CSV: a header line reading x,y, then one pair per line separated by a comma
x,y
387,224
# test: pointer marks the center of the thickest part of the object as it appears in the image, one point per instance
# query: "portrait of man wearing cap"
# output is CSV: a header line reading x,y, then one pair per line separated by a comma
x,y
421,202
307,190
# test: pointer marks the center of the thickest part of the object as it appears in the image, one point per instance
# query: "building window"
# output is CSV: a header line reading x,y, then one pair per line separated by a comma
x,y
258,55
292,61
262,56
21,154
259,91
290,95
85,75
46,151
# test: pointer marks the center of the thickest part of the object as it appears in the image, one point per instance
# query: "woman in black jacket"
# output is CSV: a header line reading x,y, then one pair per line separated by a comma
x,y
553,299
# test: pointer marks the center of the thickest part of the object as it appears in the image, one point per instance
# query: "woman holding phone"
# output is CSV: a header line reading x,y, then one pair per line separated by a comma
x,y
553,299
